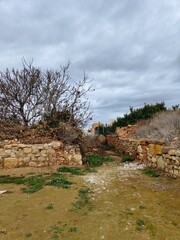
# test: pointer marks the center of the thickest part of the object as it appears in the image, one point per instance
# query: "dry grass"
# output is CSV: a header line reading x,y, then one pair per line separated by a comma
x,y
164,126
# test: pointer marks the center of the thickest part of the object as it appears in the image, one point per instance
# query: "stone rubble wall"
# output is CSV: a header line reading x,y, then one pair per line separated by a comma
x,y
14,154
153,153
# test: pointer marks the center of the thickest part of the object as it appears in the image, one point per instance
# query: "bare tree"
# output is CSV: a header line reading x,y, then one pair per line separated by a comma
x,y
27,95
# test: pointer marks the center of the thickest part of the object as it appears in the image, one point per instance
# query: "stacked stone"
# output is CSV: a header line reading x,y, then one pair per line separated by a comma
x,y
156,155
153,153
14,155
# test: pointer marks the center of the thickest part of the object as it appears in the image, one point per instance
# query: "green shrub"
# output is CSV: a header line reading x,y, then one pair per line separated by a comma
x,y
151,172
95,160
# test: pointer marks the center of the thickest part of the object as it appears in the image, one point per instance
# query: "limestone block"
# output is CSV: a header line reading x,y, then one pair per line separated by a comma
x,y
178,153
13,154
6,153
40,146
27,150
154,165
72,151
20,164
77,158
53,160
15,145
21,145
176,173
43,152
160,162
139,149
177,163
174,158
35,150
9,146
172,152
165,150
151,148
158,149
41,159
154,159
171,172
10,162
169,167
56,145
42,164
26,159
14,149
46,146
33,164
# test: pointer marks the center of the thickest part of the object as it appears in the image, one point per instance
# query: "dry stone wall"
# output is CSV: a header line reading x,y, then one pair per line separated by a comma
x,y
15,154
153,153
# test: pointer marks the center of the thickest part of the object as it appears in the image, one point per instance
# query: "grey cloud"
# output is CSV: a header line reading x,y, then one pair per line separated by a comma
x,y
130,48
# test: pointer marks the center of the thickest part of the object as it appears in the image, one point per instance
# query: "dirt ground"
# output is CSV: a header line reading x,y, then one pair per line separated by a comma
x,y
123,204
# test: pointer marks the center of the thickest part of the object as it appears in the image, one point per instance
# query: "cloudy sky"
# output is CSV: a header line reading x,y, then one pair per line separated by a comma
x,y
130,48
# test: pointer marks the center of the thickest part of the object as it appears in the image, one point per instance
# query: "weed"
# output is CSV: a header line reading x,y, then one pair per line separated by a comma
x,y
140,224
142,207
108,159
34,183
127,159
72,170
94,160
73,229
28,234
49,206
16,180
151,172
57,231
60,182
83,199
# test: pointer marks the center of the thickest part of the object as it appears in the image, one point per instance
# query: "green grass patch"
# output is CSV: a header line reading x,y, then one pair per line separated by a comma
x,y
83,199
95,160
72,170
61,181
127,159
16,180
36,183
151,172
